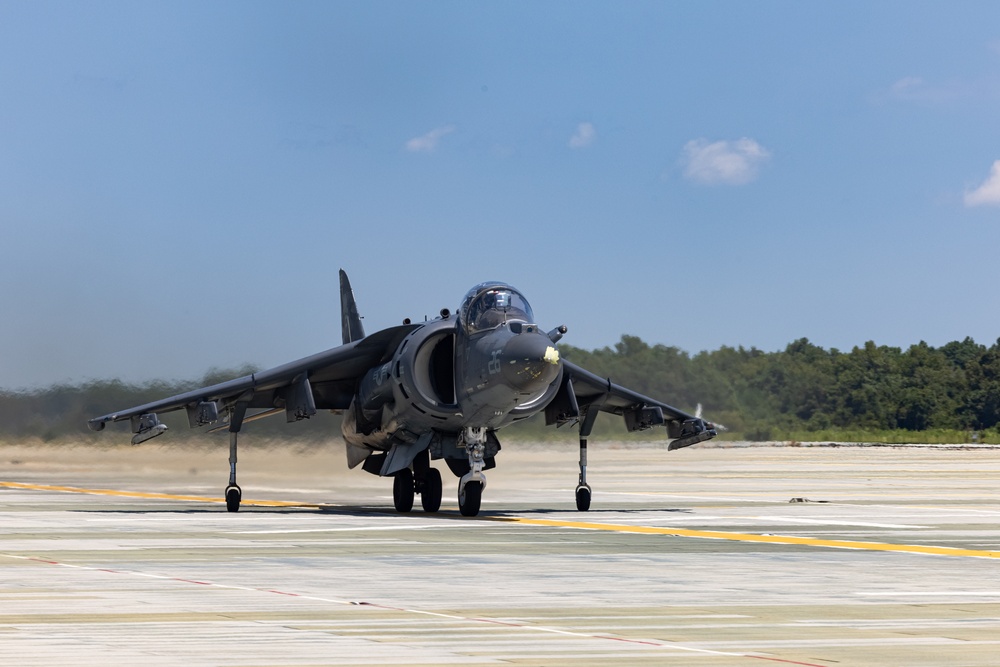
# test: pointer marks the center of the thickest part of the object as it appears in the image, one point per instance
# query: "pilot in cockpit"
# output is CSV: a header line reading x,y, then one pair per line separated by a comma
x,y
493,307
489,312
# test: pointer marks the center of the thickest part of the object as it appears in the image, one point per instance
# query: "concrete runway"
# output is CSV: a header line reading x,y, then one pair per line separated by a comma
x,y
124,556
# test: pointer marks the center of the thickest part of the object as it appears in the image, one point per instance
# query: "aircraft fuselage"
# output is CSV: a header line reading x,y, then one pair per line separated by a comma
x,y
453,374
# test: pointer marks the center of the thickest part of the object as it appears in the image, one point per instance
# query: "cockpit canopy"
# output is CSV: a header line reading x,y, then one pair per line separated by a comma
x,y
489,305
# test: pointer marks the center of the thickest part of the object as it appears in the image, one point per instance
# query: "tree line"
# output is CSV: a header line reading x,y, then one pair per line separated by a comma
x,y
801,390
807,389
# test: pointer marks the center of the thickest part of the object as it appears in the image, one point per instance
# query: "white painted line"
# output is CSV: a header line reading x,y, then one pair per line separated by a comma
x,y
679,496
831,522
986,594
346,529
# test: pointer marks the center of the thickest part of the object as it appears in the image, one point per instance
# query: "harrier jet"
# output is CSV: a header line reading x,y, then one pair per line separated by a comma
x,y
423,392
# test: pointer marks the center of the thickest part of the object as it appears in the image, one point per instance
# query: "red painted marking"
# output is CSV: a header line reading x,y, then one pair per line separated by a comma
x,y
497,622
632,641
787,662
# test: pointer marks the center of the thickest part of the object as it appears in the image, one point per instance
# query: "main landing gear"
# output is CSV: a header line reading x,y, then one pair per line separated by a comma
x,y
422,479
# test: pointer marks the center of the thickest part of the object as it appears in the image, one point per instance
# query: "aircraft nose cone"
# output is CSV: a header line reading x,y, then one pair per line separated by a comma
x,y
530,361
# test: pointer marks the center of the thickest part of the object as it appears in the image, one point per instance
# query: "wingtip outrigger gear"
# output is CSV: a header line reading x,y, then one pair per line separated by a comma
x,y
234,494
583,490
639,412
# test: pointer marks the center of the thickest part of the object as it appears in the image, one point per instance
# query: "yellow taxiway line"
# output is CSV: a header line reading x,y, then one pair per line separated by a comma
x,y
767,539
581,525
156,496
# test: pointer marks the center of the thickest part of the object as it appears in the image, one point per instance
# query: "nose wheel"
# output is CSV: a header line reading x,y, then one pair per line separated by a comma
x,y
470,498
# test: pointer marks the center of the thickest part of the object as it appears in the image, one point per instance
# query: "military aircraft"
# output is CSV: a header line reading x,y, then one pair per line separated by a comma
x,y
418,392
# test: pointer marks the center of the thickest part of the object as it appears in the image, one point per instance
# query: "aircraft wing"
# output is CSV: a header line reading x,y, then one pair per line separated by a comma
x,y
583,394
322,381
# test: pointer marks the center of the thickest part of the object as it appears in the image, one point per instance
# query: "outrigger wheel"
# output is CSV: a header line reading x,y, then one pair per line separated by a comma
x,y
233,496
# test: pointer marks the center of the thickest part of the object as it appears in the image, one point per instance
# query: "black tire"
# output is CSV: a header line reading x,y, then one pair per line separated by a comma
x,y
430,495
233,497
470,498
582,498
402,490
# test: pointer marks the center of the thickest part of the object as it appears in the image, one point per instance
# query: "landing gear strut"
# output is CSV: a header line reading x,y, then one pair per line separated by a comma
x,y
583,490
233,493
470,487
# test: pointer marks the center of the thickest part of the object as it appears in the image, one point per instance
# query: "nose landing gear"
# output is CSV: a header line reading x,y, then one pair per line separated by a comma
x,y
470,487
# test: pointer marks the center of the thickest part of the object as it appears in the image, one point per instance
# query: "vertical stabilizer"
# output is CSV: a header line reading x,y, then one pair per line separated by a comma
x,y
350,320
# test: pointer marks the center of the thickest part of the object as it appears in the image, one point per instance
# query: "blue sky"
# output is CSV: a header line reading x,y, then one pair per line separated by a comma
x,y
179,182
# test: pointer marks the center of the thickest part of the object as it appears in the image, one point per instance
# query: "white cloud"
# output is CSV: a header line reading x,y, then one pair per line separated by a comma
x,y
987,194
906,86
723,162
426,143
585,135
915,89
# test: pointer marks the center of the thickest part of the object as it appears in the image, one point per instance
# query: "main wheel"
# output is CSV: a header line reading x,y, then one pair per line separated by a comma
x,y
582,498
402,490
470,498
430,495
233,497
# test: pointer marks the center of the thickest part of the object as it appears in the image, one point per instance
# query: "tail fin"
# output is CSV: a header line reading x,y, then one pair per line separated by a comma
x,y
350,320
